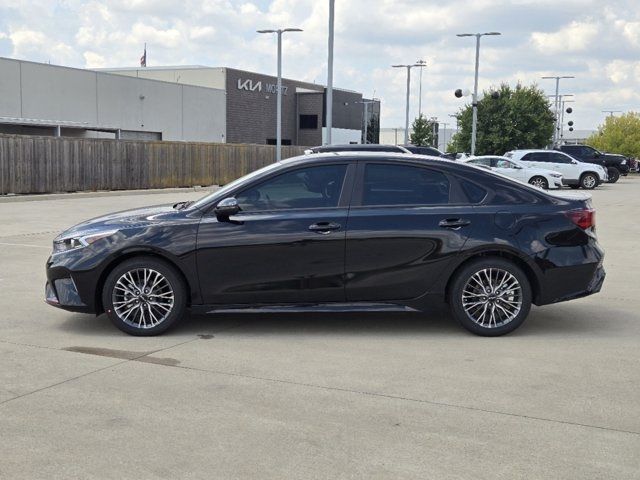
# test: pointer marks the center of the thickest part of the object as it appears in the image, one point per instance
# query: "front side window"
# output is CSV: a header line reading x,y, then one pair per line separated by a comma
x,y
311,187
386,184
560,158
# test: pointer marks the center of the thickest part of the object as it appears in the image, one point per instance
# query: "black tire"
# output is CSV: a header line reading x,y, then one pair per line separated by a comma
x,y
480,266
168,304
539,182
614,174
589,181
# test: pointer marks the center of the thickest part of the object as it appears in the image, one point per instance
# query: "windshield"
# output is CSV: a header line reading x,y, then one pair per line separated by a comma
x,y
221,192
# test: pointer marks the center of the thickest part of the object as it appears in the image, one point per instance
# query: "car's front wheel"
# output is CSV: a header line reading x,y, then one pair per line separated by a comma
x,y
539,182
144,296
490,297
614,174
589,181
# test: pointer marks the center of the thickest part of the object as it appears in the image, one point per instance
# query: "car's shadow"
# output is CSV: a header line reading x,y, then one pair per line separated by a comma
x,y
551,321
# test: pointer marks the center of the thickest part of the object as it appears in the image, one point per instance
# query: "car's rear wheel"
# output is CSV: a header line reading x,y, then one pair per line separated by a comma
x,y
539,182
588,181
490,297
614,174
144,296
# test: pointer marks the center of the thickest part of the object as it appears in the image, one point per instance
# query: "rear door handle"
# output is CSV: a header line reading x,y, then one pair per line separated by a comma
x,y
454,223
324,228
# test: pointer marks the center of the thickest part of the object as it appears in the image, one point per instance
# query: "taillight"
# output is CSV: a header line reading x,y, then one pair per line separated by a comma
x,y
584,218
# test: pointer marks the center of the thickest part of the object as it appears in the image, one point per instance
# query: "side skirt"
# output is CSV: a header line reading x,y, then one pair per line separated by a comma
x,y
301,308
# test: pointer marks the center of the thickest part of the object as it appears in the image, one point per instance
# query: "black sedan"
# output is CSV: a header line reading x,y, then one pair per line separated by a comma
x,y
340,231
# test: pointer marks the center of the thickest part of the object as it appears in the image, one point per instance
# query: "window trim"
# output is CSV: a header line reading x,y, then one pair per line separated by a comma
x,y
343,199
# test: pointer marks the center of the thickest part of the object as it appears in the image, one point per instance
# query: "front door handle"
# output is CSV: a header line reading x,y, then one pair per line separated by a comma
x,y
324,228
454,223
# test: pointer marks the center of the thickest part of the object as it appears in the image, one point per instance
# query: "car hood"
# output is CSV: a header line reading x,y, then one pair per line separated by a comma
x,y
124,219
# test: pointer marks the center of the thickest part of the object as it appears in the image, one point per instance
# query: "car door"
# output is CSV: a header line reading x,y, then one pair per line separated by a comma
x,y
403,230
563,163
286,245
508,168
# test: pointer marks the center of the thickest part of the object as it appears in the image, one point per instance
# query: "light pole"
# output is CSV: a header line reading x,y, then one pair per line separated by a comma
x,y
406,119
422,64
434,126
366,104
557,104
474,103
444,136
279,31
329,108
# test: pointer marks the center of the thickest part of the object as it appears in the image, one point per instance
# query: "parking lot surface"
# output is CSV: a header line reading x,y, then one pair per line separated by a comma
x,y
317,395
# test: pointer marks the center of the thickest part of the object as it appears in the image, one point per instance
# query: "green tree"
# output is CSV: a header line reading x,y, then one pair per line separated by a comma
x,y
619,134
520,117
373,129
422,132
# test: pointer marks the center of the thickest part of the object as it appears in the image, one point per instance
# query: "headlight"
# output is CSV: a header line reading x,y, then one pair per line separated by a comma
x,y
623,162
556,175
79,240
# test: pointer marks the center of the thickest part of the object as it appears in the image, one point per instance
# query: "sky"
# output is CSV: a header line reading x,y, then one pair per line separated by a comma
x,y
597,42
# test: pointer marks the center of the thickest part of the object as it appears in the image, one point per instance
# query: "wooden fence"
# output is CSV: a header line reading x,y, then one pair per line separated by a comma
x,y
30,164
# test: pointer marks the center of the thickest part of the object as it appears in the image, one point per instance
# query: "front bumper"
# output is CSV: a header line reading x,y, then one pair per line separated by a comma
x,y
63,293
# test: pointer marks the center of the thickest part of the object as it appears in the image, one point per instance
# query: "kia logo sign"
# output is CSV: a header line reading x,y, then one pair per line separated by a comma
x,y
251,86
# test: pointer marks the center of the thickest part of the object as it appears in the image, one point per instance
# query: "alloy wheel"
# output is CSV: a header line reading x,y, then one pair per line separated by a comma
x,y
538,182
492,297
589,181
142,298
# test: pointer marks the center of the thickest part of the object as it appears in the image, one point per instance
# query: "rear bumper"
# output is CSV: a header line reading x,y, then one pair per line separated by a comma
x,y
578,272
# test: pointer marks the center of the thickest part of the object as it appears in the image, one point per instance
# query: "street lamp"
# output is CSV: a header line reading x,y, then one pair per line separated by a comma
x,y
474,103
279,31
557,104
406,120
422,64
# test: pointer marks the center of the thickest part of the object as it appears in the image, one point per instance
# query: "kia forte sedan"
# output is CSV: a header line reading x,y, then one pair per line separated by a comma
x,y
339,231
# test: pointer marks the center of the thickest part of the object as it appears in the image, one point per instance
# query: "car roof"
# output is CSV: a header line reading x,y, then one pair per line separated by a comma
x,y
534,150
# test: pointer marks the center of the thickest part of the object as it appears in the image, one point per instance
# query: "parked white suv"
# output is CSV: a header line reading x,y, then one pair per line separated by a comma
x,y
538,177
574,173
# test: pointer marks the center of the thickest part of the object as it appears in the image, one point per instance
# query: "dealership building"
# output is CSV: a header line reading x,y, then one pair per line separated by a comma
x,y
184,103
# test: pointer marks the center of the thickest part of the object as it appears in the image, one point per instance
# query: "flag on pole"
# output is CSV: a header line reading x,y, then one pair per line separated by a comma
x,y
143,58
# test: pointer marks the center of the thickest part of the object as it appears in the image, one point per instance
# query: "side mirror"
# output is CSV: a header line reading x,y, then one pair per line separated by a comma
x,y
226,208
575,162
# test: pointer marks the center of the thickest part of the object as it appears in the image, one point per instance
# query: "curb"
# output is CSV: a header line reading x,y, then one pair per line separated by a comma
x,y
114,193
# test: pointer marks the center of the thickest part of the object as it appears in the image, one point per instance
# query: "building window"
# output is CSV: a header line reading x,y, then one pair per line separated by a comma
x,y
308,122
272,141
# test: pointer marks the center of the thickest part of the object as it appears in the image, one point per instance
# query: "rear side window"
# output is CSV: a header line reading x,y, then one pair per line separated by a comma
x,y
474,193
386,184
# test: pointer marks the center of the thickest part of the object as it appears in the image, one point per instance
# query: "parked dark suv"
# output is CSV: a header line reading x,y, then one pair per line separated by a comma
x,y
616,165
337,231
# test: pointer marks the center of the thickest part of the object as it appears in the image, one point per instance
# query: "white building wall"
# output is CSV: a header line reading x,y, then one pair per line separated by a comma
x,y
210,77
52,93
341,136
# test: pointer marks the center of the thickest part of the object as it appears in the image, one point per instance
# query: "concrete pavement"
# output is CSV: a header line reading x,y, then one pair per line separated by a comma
x,y
316,396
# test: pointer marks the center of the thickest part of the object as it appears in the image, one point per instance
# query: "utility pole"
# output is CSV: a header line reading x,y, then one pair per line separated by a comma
x,y
474,103
556,132
280,31
329,106
422,64
406,119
